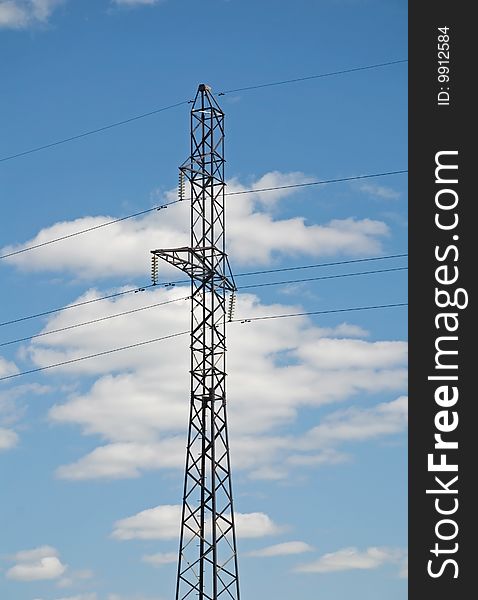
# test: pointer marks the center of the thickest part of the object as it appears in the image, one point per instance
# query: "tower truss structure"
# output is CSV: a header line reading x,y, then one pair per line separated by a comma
x,y
208,565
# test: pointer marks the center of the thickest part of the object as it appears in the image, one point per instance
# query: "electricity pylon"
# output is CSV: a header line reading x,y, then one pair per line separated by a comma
x,y
207,566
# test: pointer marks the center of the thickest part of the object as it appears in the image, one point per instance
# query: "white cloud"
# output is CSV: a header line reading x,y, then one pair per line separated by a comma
x,y
137,404
275,179
87,596
358,424
45,568
38,564
330,456
255,236
318,445
7,367
161,558
403,574
255,525
73,577
263,456
22,14
348,559
135,597
8,439
348,330
133,3
312,366
162,523
159,523
11,411
358,354
125,460
380,191
35,554
284,549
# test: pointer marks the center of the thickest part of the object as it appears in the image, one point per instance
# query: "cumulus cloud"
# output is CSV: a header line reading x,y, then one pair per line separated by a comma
x,y
162,523
255,236
137,404
87,596
255,525
133,3
284,549
357,424
347,330
11,410
351,558
274,179
37,564
8,439
35,554
73,577
159,523
263,456
160,559
22,14
125,460
7,367
46,568
329,353
135,597
380,191
403,574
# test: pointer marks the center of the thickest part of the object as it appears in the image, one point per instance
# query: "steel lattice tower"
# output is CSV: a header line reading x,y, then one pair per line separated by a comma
x,y
207,567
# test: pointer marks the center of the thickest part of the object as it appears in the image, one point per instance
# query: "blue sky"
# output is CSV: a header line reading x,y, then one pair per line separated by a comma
x,y
91,454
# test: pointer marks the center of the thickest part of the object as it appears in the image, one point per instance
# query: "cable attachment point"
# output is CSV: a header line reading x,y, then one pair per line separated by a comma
x,y
154,269
181,185
231,307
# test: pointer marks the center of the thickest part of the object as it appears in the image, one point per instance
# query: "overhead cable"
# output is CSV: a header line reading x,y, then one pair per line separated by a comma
x,y
163,206
184,102
173,335
178,282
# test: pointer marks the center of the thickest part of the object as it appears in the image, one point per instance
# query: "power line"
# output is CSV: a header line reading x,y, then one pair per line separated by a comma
x,y
135,310
107,318
88,229
301,267
319,312
173,335
163,206
92,131
74,360
321,182
145,287
268,283
183,102
298,79
76,305
329,264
